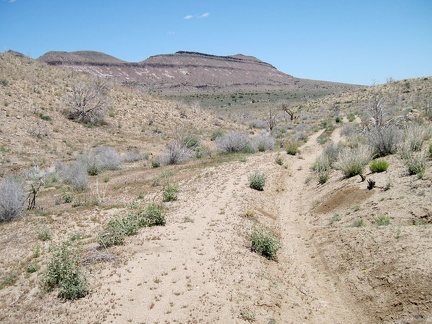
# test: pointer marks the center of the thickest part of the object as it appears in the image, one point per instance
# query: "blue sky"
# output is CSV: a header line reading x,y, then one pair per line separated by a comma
x,y
362,42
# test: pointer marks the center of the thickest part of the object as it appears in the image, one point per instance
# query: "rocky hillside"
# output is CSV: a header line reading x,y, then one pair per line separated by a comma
x,y
187,71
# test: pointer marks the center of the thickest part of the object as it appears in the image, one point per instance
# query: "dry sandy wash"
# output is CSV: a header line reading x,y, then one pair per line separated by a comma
x,y
199,268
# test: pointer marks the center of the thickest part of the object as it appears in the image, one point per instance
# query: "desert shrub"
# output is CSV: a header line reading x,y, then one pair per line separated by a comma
x,y
174,153
99,159
8,279
115,232
263,143
292,148
169,192
233,142
258,123
358,223
257,181
331,152
87,102
119,228
322,168
384,140
217,133
64,272
265,242
352,161
12,198
430,151
378,165
414,136
44,233
75,174
382,220
279,160
323,176
416,164
348,130
133,156
32,268
152,216
155,163
322,163
191,141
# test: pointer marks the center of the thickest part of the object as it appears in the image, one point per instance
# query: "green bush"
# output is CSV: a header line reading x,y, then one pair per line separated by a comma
x,y
279,160
323,176
64,272
191,141
257,181
292,148
378,165
155,163
119,228
169,192
217,133
44,233
32,268
152,216
358,223
416,164
265,242
382,220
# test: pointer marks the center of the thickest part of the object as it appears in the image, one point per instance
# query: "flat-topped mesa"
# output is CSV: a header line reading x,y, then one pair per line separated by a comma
x,y
196,57
185,71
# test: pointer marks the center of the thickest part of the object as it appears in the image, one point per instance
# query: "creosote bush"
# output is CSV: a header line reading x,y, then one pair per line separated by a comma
x,y
12,198
64,272
257,181
378,165
265,242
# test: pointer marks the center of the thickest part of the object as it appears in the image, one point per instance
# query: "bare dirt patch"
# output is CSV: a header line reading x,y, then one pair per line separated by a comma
x,y
343,198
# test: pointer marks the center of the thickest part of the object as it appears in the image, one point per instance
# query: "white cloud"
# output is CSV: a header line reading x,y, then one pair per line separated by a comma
x,y
12,1
204,15
188,17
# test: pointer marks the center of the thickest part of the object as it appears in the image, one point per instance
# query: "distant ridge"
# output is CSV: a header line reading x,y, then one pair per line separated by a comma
x,y
56,57
186,71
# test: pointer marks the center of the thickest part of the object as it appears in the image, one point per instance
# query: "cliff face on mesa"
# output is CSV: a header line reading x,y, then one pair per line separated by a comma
x,y
185,71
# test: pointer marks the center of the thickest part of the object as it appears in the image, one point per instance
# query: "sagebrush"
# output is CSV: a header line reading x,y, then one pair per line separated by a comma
x,y
12,198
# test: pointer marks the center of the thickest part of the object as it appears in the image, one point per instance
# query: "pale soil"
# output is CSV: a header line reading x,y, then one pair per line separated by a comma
x,y
199,268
